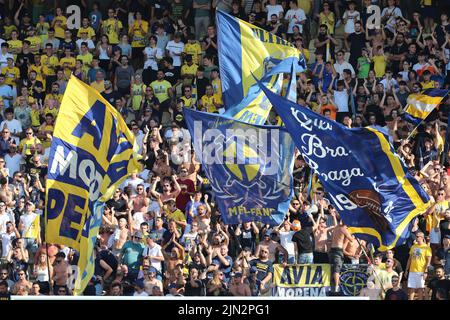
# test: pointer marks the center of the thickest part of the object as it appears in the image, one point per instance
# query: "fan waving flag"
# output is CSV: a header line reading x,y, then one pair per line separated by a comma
x,y
420,105
245,52
92,152
249,167
366,181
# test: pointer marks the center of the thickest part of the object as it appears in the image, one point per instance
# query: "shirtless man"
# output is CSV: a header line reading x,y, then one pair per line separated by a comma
x,y
6,194
150,280
61,272
167,189
140,202
238,287
339,240
121,235
352,252
273,246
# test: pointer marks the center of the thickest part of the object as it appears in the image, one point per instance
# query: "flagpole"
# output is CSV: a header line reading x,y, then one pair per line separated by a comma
x,y
370,263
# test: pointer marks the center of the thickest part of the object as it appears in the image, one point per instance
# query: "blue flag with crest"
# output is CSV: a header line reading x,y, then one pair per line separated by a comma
x,y
249,166
365,179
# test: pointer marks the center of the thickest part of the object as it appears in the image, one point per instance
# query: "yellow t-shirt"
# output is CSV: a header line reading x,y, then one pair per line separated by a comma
x,y
113,37
53,111
137,92
193,49
418,255
59,30
70,61
48,129
34,41
14,44
87,59
208,103
160,89
25,145
177,215
100,87
50,64
42,30
427,85
11,75
90,32
35,120
327,20
8,30
187,101
137,36
379,65
217,88
191,70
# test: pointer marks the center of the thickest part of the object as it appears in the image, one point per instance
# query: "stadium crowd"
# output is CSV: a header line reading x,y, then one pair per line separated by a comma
x,y
161,232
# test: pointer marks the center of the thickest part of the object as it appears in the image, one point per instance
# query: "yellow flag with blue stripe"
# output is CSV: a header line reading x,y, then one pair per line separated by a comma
x,y
247,52
33,229
420,105
92,152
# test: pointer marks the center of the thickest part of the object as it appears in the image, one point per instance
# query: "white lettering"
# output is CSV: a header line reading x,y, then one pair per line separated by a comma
x,y
64,163
73,17
346,175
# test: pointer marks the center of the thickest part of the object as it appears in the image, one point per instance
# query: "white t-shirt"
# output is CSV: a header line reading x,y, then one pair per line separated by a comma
x,y
341,67
154,252
7,239
391,13
341,100
4,59
90,44
27,220
14,126
138,218
295,17
276,9
4,218
286,241
13,162
174,47
139,139
351,17
153,54
142,294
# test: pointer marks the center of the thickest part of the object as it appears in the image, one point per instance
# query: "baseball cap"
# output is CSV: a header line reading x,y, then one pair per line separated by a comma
x,y
172,286
268,233
152,269
237,275
447,236
153,236
137,234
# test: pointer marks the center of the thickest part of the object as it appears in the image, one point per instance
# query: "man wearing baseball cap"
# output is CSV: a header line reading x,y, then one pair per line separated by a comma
x,y
131,255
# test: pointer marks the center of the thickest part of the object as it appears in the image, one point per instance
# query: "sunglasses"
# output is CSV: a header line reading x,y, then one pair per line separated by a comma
x,y
29,133
296,204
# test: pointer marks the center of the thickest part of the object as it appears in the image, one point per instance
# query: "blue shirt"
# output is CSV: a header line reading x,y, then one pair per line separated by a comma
x,y
131,254
6,91
95,17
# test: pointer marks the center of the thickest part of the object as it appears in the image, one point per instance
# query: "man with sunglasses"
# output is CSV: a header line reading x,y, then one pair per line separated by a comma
x,y
6,141
396,292
131,255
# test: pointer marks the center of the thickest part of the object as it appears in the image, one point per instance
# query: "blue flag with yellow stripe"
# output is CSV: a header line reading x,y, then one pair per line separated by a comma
x,y
92,152
249,167
365,179
246,51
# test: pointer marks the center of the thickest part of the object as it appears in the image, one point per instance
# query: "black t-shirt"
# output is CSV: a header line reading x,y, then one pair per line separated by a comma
x,y
108,257
263,268
201,87
178,118
111,97
280,31
190,291
118,205
68,45
357,42
445,228
172,75
396,295
211,50
439,285
24,59
247,238
304,241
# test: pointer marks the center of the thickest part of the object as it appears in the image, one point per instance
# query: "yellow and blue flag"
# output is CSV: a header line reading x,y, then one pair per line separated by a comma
x,y
92,152
366,181
247,52
249,167
420,105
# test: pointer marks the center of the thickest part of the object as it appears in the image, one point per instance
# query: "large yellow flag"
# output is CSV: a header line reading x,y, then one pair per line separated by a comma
x,y
92,152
